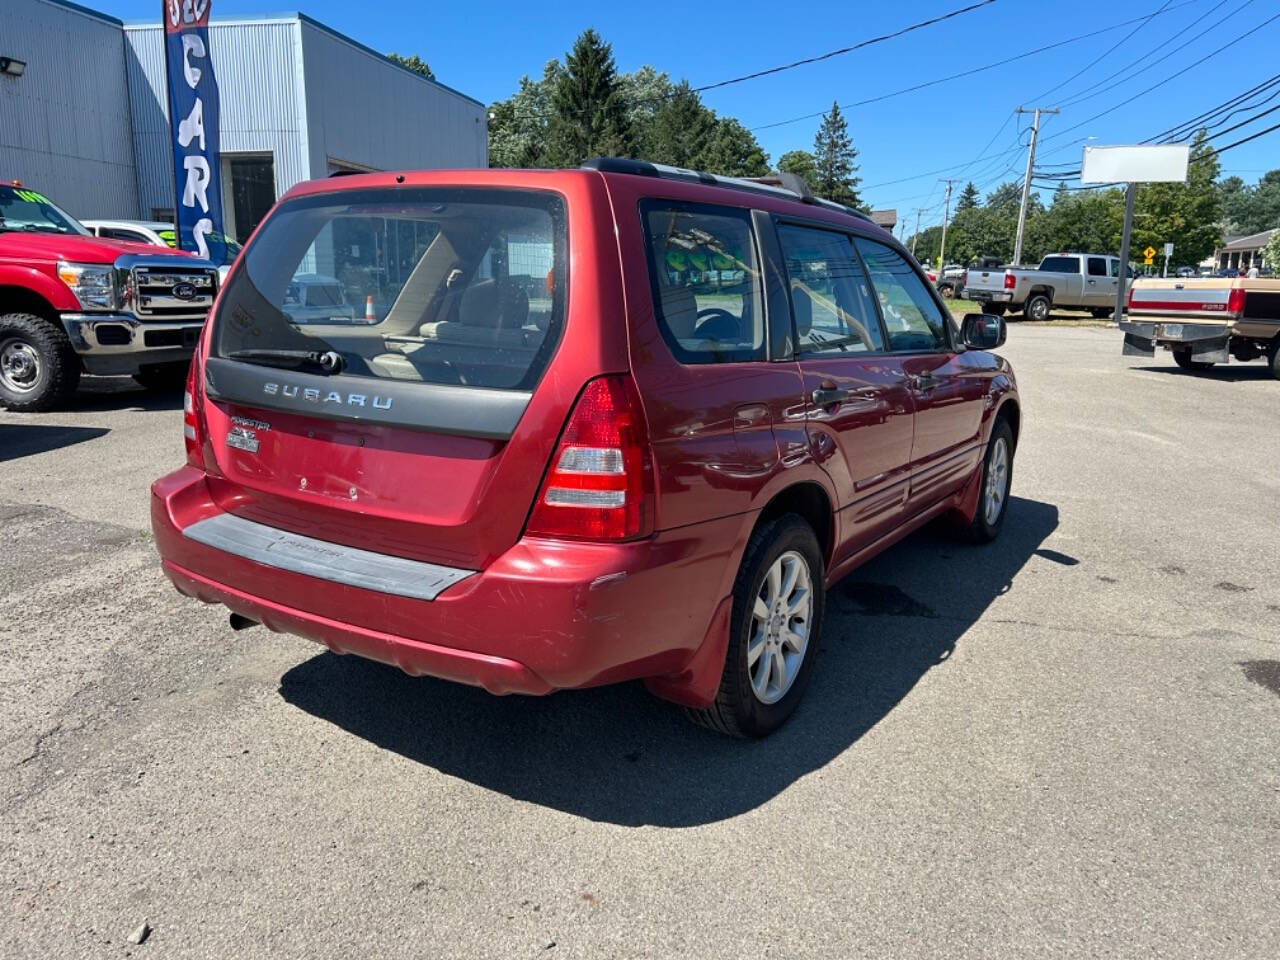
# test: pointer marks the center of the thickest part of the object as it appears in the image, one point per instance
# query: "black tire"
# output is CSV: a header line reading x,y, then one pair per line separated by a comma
x,y
982,529
38,368
1183,359
163,377
995,309
1037,307
737,710
948,291
1273,357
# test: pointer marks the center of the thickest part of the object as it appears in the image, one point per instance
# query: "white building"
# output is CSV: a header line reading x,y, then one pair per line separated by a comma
x,y
87,124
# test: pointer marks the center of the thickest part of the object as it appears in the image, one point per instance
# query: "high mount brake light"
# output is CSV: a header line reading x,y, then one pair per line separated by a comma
x,y
600,483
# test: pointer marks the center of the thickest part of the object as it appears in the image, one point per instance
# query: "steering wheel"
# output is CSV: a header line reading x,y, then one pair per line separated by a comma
x,y
706,313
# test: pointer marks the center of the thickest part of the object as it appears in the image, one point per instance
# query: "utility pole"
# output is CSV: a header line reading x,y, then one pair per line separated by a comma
x,y
1026,182
915,236
942,249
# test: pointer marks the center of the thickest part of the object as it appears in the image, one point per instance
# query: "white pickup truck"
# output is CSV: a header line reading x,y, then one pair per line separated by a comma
x,y
1080,281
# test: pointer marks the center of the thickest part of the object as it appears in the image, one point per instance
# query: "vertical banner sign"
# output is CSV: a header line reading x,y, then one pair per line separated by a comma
x,y
193,121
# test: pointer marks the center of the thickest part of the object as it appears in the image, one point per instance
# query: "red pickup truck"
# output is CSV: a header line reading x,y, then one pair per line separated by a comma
x,y
72,303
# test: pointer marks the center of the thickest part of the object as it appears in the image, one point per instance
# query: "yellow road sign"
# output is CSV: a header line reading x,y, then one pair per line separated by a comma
x,y
1148,261
1149,253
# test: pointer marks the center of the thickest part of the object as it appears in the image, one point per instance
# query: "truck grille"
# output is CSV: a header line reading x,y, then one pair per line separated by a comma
x,y
171,293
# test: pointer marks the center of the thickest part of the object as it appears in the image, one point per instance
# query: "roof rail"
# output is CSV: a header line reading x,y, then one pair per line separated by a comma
x,y
784,185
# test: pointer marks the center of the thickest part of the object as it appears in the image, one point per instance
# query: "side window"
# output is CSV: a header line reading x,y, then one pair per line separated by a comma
x,y
911,316
706,282
118,233
1114,263
830,295
1097,267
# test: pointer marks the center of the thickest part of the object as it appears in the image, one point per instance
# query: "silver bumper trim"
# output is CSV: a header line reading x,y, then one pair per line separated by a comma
x,y
82,328
325,561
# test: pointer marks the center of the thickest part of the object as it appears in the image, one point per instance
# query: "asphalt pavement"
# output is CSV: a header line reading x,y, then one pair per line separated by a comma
x,y
1064,744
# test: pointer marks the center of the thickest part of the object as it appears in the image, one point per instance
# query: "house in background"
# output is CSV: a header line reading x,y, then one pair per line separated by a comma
x,y
1241,253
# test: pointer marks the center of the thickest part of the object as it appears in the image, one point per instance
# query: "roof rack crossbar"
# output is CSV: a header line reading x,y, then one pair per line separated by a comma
x,y
786,185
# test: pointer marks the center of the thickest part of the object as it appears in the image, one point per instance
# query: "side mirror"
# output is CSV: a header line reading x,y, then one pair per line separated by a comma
x,y
983,331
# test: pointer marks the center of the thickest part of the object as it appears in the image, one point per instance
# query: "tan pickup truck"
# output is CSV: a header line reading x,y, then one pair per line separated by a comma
x,y
1204,322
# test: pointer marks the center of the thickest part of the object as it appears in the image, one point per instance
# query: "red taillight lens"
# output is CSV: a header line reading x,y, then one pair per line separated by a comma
x,y
1010,281
600,483
1235,302
192,422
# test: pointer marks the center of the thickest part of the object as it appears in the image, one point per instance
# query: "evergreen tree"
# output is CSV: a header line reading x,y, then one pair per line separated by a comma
x,y
680,130
968,198
834,160
732,150
589,116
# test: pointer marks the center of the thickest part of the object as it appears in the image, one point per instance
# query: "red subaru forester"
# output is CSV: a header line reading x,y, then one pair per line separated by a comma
x,y
534,430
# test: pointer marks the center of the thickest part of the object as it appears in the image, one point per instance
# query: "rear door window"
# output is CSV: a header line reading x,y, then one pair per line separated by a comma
x,y
705,277
1097,267
830,296
435,285
912,318
1060,264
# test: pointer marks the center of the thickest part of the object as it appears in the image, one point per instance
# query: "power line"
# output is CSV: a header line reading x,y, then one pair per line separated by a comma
x,y
967,73
849,49
1094,62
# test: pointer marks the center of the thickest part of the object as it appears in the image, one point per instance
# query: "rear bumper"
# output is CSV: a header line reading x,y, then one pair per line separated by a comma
x,y
988,296
113,344
545,615
1206,341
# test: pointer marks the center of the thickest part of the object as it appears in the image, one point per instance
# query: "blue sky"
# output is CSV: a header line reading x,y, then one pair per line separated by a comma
x,y
482,49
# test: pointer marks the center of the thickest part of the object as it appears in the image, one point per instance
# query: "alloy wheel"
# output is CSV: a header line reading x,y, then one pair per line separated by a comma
x,y
780,624
997,481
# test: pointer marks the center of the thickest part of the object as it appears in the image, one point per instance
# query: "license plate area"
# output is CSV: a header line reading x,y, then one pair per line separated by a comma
x,y
1171,331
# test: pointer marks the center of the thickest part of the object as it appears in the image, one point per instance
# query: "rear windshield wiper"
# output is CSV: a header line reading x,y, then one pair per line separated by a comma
x,y
329,361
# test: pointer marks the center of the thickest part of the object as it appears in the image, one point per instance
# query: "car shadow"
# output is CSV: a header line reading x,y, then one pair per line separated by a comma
x,y
1227,373
19,440
104,394
616,754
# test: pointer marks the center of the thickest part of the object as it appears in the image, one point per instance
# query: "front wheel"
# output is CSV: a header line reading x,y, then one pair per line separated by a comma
x,y
997,477
778,602
38,368
1037,307
1183,359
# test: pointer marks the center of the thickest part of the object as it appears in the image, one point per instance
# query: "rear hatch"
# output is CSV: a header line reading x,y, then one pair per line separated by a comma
x,y
370,375
1201,301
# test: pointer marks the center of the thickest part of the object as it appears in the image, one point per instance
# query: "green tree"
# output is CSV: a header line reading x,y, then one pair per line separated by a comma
x,y
802,164
968,198
589,115
680,129
1090,221
414,63
518,125
644,91
1271,253
1188,215
732,150
834,160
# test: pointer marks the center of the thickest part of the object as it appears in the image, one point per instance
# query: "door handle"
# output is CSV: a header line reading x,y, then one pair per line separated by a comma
x,y
925,382
829,396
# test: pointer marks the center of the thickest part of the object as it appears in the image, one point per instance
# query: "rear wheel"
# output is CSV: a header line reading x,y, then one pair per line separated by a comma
x,y
163,377
38,368
1273,357
778,601
948,291
1037,307
1183,359
997,477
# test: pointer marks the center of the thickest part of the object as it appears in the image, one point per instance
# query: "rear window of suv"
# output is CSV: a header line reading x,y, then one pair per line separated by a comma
x,y
454,286
706,281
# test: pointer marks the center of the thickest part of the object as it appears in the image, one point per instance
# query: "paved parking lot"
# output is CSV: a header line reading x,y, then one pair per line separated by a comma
x,y
1064,744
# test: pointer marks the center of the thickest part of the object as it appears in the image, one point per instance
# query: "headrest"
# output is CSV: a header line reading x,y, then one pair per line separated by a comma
x,y
494,303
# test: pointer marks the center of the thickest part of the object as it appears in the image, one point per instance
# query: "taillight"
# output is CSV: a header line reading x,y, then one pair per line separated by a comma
x,y
1235,302
1010,281
600,483
192,434
964,279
